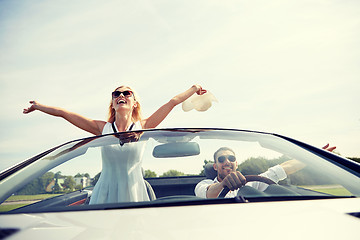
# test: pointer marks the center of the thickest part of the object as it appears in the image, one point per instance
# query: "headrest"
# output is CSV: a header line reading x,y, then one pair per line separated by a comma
x,y
209,170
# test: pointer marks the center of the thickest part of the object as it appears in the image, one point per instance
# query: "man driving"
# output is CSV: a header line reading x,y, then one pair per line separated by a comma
x,y
227,175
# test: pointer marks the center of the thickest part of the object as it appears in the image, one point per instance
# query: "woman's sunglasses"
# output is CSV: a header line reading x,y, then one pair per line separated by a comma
x,y
223,158
117,94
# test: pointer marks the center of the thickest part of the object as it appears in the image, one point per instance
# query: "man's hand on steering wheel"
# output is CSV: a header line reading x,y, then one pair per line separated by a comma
x,y
234,181
248,178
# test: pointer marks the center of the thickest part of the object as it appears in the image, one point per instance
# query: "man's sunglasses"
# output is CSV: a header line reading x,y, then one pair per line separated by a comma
x,y
117,94
223,158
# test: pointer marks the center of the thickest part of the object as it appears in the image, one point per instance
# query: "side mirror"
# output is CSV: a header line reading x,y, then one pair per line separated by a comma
x,y
176,149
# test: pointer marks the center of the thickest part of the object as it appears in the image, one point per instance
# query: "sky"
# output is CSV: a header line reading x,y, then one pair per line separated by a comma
x,y
286,67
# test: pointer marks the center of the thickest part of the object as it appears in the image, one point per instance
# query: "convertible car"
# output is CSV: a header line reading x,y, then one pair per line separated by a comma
x,y
89,189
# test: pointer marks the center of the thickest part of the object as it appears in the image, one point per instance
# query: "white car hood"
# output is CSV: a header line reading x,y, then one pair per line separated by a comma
x,y
315,219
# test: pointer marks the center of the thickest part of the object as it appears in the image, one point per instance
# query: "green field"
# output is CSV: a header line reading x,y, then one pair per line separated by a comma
x,y
17,201
6,208
335,190
30,197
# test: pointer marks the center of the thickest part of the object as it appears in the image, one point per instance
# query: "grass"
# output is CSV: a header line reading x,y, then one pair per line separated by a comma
x,y
30,197
335,190
15,201
6,208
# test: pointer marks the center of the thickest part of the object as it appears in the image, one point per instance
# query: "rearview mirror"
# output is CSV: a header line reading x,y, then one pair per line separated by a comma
x,y
176,149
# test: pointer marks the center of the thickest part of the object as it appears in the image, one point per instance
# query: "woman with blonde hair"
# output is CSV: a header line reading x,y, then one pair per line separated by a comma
x,y
117,183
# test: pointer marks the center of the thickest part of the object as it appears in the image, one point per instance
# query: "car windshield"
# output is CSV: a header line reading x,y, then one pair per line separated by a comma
x,y
153,166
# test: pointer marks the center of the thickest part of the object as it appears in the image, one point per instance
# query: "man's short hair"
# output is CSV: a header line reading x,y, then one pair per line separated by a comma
x,y
221,150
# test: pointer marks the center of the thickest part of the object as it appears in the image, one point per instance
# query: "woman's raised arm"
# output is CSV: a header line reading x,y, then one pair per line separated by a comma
x,y
92,126
156,118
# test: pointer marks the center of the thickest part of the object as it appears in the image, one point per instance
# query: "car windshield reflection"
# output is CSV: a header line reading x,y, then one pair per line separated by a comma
x,y
176,165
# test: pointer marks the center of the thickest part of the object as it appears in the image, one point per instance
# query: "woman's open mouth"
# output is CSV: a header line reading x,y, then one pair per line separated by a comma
x,y
121,101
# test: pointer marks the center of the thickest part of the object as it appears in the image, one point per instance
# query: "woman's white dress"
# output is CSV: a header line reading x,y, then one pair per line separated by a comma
x,y
121,178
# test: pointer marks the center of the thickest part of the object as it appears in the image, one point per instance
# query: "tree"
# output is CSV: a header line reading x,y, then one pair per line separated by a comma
x,y
69,183
57,188
355,159
202,173
150,174
58,175
30,189
172,173
96,178
254,166
38,185
46,179
82,175
78,175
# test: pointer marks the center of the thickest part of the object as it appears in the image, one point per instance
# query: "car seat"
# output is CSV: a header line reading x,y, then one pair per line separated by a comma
x,y
209,170
149,189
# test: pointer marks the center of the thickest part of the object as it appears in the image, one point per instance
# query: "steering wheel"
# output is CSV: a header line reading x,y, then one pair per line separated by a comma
x,y
249,178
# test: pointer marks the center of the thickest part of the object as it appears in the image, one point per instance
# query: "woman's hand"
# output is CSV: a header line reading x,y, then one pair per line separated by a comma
x,y
31,108
199,89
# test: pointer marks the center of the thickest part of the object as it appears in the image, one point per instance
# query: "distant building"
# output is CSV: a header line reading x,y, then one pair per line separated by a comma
x,y
83,181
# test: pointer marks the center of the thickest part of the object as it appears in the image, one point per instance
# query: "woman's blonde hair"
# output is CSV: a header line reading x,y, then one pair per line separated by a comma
x,y
136,114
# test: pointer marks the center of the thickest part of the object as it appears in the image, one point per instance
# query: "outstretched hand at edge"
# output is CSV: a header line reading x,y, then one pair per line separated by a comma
x,y
200,90
330,149
31,108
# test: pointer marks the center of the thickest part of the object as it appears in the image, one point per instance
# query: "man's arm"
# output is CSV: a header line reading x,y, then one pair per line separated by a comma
x,y
233,181
292,166
202,187
214,190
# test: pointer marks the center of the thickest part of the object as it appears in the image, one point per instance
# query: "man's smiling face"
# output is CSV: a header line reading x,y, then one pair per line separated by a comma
x,y
226,165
